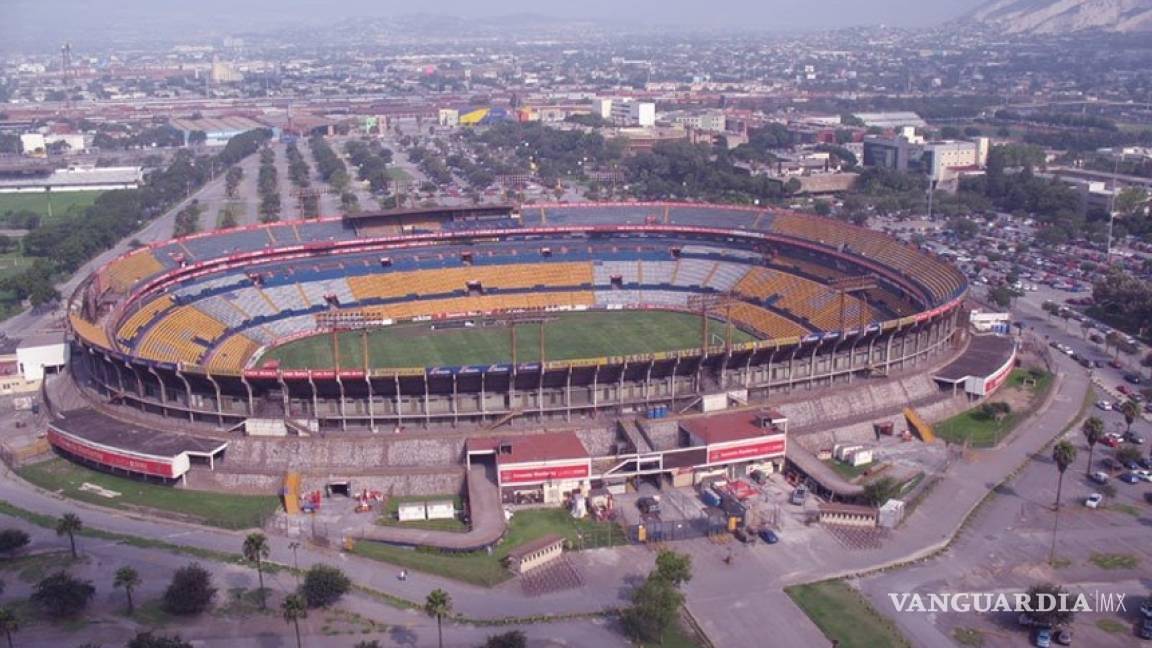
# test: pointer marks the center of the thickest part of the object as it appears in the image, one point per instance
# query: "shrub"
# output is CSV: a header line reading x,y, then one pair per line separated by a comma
x,y
12,539
61,595
190,592
324,585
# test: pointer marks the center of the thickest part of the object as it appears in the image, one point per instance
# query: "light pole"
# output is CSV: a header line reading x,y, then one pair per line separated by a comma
x,y
1112,211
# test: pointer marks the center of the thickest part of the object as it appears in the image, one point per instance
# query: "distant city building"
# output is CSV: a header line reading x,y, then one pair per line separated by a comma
x,y
709,121
448,117
891,120
77,179
627,112
942,161
33,144
224,72
217,130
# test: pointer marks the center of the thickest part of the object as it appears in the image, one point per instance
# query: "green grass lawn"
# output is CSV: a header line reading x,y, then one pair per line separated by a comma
x,y
482,568
393,506
398,174
63,202
569,336
214,509
848,471
982,431
843,615
12,263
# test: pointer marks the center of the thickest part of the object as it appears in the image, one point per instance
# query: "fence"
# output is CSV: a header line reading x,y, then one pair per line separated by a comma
x,y
673,530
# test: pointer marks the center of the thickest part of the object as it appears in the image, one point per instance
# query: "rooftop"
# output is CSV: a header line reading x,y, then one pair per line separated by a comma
x,y
550,446
735,426
534,545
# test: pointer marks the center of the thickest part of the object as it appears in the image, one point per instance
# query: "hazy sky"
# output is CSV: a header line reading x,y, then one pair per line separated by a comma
x,y
51,19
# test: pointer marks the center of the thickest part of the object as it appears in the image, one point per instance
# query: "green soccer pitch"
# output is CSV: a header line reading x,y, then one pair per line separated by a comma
x,y
567,336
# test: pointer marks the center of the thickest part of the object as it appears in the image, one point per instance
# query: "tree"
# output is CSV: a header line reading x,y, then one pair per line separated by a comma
x,y
129,579
197,137
294,609
654,607
1127,454
881,490
1147,362
676,568
149,640
1039,613
61,596
190,592
69,524
255,550
324,585
232,180
1093,431
438,605
8,624
1129,410
1063,455
510,639
12,539
228,218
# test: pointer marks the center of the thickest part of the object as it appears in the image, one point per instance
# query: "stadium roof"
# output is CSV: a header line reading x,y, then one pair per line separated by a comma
x,y
479,210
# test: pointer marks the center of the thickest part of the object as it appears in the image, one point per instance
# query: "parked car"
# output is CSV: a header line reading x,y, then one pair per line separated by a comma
x,y
769,536
1129,478
1115,364
1064,637
1146,608
1143,475
744,535
1132,437
1043,638
648,505
1145,631
1104,405
1131,464
1123,389
1099,477
1094,500
1110,440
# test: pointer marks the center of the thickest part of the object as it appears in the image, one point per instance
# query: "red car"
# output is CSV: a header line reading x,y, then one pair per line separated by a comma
x,y
1122,389
1110,441
1115,364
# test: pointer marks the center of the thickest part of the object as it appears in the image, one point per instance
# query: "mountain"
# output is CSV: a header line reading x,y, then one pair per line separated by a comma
x,y
1064,16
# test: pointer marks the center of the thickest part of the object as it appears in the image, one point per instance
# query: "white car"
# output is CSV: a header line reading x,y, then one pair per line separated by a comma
x,y
1094,500
1104,405
1145,475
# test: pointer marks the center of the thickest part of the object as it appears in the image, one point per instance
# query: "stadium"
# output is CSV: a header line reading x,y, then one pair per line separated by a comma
x,y
509,355
474,315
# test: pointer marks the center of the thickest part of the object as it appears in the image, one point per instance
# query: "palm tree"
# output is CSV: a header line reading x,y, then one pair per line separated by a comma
x,y
295,608
1130,411
129,579
438,605
1093,432
255,550
1064,453
69,524
8,624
